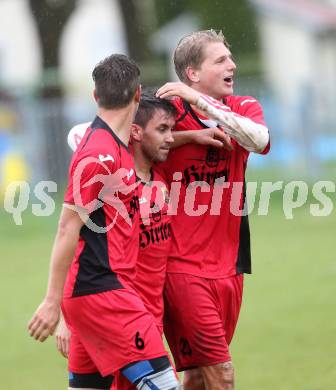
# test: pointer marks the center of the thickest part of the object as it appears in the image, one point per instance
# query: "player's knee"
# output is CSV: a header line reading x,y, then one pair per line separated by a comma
x,y
92,381
220,374
193,380
228,373
150,374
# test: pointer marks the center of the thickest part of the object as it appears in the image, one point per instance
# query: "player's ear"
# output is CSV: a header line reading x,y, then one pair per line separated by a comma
x,y
137,96
192,74
95,95
136,133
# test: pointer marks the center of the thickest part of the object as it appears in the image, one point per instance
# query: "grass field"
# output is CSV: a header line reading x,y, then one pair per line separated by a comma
x,y
286,337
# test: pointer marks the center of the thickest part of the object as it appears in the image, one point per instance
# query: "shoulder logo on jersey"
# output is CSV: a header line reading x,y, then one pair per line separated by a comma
x,y
247,101
106,157
130,174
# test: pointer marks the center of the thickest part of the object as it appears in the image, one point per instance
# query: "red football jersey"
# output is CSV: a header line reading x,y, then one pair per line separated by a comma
x,y
154,244
210,237
103,181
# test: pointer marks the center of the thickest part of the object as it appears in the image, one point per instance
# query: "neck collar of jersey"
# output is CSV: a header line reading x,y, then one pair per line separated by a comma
x,y
98,123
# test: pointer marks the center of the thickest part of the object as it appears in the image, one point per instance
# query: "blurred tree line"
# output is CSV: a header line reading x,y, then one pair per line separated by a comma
x,y
143,17
235,18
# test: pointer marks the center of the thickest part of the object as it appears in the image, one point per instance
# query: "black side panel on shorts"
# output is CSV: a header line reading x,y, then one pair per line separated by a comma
x,y
94,273
94,381
243,264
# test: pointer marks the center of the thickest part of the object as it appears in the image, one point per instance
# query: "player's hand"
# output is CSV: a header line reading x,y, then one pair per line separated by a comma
x,y
62,336
213,137
44,320
178,89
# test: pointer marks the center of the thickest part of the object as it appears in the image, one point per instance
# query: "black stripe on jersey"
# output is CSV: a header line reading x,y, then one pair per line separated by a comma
x,y
94,273
243,264
189,110
182,116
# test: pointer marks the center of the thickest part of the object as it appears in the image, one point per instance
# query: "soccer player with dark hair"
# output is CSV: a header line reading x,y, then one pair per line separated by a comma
x,y
151,139
96,248
151,142
210,250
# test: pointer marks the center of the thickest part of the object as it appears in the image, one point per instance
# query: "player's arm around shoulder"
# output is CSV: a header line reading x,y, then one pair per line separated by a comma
x,y
171,89
241,118
248,130
212,136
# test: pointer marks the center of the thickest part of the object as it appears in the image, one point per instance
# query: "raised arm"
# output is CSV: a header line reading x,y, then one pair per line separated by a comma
x,y
252,136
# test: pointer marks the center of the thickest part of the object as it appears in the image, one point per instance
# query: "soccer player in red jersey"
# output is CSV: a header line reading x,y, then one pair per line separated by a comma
x,y
210,235
96,248
151,140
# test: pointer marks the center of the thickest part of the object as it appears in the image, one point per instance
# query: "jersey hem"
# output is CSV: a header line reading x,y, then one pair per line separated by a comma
x,y
208,276
92,292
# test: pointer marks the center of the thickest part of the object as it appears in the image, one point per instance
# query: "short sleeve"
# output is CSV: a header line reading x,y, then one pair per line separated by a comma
x,y
254,111
88,177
